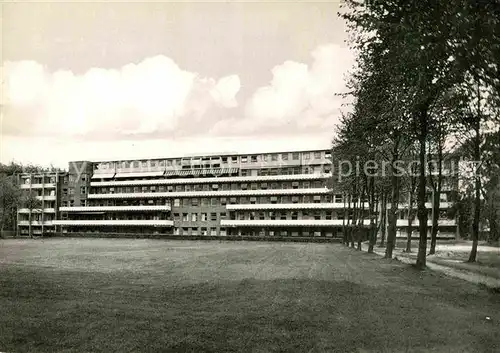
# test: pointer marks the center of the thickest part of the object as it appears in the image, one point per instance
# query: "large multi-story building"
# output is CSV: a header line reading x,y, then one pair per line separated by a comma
x,y
265,195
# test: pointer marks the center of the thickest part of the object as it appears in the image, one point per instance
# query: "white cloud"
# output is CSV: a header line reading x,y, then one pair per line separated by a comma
x,y
299,96
153,95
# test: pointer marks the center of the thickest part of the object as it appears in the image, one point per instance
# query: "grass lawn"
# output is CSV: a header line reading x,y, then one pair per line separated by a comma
x,y
114,295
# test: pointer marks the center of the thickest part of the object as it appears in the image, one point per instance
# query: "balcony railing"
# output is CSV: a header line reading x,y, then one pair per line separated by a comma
x,y
285,206
284,222
36,223
116,208
261,178
415,223
45,210
219,193
46,197
115,222
38,186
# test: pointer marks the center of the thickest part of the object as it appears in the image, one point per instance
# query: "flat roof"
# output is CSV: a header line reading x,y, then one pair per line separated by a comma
x,y
211,154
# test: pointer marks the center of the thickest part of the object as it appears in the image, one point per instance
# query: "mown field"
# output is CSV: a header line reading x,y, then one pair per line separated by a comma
x,y
115,295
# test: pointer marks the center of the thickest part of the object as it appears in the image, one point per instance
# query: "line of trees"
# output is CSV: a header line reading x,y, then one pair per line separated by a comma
x,y
426,88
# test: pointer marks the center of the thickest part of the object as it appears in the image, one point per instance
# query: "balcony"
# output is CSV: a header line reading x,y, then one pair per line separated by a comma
x,y
38,186
284,222
47,197
36,223
115,222
116,208
415,223
221,193
286,206
45,210
442,205
262,178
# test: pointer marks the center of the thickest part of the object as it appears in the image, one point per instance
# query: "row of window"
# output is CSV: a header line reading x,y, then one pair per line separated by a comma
x,y
200,217
71,191
211,160
141,202
311,232
209,187
222,201
39,180
200,231
287,215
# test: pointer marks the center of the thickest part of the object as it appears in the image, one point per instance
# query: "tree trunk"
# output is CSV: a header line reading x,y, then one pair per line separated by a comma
x,y
477,198
354,216
410,220
436,200
345,240
422,195
391,236
360,233
372,207
383,220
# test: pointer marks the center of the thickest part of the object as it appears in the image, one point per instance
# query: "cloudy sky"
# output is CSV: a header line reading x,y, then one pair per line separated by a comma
x,y
88,81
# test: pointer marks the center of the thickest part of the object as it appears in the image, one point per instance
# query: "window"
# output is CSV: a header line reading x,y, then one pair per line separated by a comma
x,y
84,178
176,216
185,217
136,164
223,201
213,201
203,217
71,191
83,190
253,159
194,217
284,156
244,186
177,202
295,156
194,231
205,201
223,215
274,157
264,157
213,231
194,202
213,216
317,155
185,231
244,159
144,164
306,155
65,191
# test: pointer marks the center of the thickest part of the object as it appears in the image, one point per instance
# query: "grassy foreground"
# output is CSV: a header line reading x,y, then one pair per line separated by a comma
x,y
112,295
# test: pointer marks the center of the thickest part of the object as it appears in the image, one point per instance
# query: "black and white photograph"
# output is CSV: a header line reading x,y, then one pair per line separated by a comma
x,y
250,176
